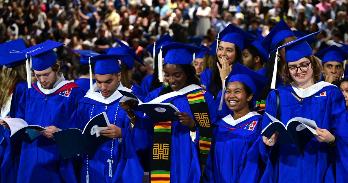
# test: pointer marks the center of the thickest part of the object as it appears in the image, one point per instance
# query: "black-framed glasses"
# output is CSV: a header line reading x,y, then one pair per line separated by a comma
x,y
303,67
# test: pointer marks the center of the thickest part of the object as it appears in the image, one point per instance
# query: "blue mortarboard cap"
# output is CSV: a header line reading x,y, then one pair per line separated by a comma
x,y
235,35
163,40
179,53
85,55
332,53
262,51
11,52
255,81
203,51
278,33
106,64
298,48
42,55
125,54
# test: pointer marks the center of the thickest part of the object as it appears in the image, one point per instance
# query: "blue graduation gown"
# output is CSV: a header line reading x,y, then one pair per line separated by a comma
x,y
125,166
83,83
146,84
9,156
232,140
206,78
184,148
316,162
39,160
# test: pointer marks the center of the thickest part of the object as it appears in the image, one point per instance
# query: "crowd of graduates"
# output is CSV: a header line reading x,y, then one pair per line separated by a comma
x,y
228,93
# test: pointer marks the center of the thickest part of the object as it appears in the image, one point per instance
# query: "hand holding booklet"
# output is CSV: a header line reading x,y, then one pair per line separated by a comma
x,y
73,141
21,131
297,130
155,109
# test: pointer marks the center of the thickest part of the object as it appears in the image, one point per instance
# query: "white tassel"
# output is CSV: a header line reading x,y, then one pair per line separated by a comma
x,y
28,69
90,74
160,66
193,57
275,69
217,43
222,94
154,54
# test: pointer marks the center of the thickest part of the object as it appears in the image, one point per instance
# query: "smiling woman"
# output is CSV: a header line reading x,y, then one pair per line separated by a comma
x,y
236,132
303,95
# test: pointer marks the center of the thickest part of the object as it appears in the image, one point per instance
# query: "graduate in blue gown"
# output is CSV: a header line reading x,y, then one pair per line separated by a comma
x,y
317,158
183,164
113,161
235,133
332,59
51,102
14,86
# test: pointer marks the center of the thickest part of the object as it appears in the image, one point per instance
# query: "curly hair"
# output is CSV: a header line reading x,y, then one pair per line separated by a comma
x,y
315,65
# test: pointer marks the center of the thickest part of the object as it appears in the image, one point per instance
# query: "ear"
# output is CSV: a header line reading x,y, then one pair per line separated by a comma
x,y
257,60
250,97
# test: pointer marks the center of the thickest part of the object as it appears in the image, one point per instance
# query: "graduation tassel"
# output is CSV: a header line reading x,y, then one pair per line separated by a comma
x,y
28,69
154,55
90,74
222,94
194,57
217,43
275,68
160,66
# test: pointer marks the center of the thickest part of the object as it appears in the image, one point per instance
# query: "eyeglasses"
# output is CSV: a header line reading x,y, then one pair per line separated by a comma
x,y
303,67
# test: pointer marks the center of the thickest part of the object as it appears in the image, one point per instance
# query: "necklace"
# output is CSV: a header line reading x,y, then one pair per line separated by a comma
x,y
110,160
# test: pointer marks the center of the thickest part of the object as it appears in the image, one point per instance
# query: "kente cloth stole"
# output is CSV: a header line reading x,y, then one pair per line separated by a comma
x,y
200,111
160,162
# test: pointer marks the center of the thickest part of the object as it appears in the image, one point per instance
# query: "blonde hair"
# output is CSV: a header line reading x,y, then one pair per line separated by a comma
x,y
9,77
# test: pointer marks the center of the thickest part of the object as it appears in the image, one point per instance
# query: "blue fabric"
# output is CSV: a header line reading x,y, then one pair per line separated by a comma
x,y
184,152
332,54
206,78
10,53
39,160
83,83
106,64
317,161
230,148
124,158
146,84
9,153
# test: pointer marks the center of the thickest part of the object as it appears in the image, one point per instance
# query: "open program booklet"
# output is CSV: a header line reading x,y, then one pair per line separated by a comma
x,y
73,141
297,130
21,131
156,110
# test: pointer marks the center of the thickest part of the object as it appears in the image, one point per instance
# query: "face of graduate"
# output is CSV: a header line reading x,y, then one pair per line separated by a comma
x,y
175,76
301,72
333,69
107,83
226,52
247,59
236,97
46,78
344,89
198,64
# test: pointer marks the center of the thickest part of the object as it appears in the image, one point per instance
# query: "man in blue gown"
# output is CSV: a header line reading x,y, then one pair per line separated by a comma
x,y
51,103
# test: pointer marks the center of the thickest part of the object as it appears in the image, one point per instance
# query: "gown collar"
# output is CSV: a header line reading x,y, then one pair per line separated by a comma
x,y
57,85
229,118
304,93
95,95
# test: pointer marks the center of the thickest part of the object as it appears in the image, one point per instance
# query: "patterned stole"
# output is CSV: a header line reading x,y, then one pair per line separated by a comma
x,y
200,111
160,161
